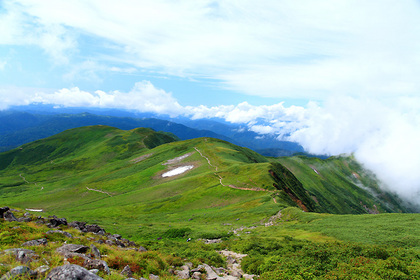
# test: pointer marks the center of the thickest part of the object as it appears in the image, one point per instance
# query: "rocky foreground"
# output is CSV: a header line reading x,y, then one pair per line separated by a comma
x,y
64,252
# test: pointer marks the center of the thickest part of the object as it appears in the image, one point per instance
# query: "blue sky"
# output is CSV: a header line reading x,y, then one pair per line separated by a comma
x,y
335,76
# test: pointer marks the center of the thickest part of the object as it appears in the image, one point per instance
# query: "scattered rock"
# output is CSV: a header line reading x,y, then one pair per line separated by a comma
x,y
96,271
65,233
95,229
8,216
95,251
184,273
18,272
72,250
96,264
42,270
55,222
78,225
196,275
127,271
37,242
142,249
3,210
153,277
71,272
22,255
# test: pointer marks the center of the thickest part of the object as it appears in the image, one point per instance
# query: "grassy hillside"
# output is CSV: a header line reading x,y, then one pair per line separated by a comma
x,y
130,182
116,178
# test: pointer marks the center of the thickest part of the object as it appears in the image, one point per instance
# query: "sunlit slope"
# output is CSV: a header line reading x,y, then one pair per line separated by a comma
x,y
142,181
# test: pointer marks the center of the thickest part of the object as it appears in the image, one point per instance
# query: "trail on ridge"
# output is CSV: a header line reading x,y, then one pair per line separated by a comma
x,y
230,186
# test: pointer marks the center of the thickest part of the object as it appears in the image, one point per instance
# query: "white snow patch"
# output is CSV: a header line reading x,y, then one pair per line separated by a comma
x,y
177,171
34,210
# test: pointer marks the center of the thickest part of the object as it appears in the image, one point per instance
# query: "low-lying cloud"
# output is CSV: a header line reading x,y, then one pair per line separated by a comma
x,y
383,134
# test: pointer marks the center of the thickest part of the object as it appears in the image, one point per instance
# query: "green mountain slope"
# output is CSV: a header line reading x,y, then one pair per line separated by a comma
x,y
120,179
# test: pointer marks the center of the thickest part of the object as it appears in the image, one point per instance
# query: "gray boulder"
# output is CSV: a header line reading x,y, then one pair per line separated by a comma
x,y
36,242
18,272
71,272
22,255
127,271
96,264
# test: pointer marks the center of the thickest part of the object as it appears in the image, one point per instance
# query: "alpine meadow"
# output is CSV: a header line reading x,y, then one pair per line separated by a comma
x,y
294,217
209,140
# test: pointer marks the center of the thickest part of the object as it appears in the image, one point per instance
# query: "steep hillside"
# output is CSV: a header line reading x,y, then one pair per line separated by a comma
x,y
142,182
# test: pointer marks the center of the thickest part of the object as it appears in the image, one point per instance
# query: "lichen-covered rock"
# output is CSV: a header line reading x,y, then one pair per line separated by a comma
x,y
71,272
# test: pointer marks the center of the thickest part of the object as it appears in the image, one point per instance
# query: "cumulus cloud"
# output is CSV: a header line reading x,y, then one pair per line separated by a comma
x,y
144,97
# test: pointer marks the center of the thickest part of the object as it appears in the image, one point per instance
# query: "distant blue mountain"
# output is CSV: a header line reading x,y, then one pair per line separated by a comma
x,y
24,124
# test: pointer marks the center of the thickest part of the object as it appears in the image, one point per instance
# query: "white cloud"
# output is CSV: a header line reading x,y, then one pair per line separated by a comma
x,y
299,49
143,97
384,137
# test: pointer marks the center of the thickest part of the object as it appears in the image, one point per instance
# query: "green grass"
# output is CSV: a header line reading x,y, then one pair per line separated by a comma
x,y
142,204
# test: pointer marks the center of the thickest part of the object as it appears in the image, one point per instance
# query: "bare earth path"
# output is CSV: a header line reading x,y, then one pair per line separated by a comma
x,y
230,186
26,181
89,189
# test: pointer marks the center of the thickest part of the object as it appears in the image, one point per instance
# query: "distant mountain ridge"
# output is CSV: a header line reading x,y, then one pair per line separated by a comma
x,y
19,127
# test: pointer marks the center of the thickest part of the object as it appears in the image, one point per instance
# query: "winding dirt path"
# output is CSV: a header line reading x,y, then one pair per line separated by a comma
x,y
256,189
89,189
26,181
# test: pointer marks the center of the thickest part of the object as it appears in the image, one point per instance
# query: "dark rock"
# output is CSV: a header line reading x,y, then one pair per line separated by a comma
x,y
18,272
127,271
3,210
95,251
120,244
115,236
97,264
71,272
94,228
8,216
55,222
65,233
37,242
78,225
